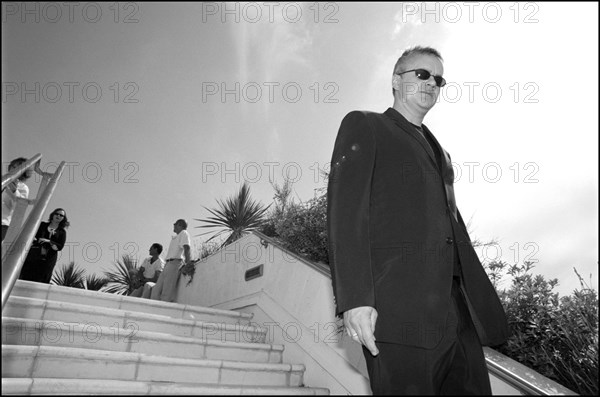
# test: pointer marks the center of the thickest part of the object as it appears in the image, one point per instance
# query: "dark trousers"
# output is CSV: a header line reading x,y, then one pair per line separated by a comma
x,y
4,230
38,267
456,366
40,272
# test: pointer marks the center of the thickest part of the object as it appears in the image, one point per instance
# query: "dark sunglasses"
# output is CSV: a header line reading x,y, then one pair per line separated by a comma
x,y
61,215
425,75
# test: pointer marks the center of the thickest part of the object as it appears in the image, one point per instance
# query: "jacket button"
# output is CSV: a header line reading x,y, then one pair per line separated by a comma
x,y
449,240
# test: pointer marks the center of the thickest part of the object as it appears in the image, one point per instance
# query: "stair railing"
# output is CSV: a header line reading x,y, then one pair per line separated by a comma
x,y
19,235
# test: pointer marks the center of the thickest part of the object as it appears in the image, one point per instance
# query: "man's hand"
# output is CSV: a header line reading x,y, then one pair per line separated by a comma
x,y
360,325
38,169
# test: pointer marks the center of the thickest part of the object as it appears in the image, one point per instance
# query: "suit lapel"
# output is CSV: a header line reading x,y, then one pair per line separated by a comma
x,y
444,169
410,129
447,174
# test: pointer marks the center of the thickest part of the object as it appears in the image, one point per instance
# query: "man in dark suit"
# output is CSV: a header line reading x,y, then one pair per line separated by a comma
x,y
406,278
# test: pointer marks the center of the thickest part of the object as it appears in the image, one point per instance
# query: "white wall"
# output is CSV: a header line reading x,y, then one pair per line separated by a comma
x,y
293,300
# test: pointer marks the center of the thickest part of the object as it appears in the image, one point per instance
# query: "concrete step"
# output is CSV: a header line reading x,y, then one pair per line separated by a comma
x,y
60,340
129,322
49,292
59,362
23,331
28,386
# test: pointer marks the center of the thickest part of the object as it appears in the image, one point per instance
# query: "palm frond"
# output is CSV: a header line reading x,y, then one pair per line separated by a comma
x,y
122,280
69,276
237,215
95,283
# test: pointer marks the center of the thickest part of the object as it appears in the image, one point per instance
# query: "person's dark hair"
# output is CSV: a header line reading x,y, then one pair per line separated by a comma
x,y
16,163
182,223
159,247
412,51
64,223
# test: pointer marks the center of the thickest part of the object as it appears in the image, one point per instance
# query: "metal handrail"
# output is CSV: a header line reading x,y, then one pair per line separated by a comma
x,y
13,175
521,377
14,256
514,380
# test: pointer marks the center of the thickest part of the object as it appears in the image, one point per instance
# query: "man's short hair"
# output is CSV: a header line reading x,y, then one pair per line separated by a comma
x,y
412,51
158,247
182,223
16,163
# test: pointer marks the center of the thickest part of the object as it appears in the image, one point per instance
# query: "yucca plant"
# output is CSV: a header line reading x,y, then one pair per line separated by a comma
x,y
69,276
95,283
237,215
124,279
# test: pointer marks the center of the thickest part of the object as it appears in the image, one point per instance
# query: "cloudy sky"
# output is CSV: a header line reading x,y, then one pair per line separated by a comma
x,y
159,109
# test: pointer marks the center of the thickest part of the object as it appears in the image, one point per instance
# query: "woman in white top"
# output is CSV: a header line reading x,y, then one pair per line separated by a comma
x,y
15,189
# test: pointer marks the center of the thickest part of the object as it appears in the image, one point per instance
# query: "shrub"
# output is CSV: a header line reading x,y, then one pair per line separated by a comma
x,y
206,249
556,337
302,229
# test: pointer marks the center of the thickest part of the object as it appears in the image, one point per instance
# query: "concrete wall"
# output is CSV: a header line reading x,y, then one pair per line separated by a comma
x,y
292,300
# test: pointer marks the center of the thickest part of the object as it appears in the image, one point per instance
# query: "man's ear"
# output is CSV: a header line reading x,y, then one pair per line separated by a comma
x,y
396,82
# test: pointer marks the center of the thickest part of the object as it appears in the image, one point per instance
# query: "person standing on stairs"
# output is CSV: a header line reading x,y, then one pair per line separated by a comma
x,y
49,239
178,255
406,278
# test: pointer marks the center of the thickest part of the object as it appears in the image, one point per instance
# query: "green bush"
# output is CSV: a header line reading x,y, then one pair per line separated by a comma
x,y
557,337
301,228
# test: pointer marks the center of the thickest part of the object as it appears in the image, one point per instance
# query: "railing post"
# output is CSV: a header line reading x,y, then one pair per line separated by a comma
x,y
14,256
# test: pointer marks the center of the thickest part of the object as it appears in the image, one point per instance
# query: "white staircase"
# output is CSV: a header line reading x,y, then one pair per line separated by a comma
x,y
58,340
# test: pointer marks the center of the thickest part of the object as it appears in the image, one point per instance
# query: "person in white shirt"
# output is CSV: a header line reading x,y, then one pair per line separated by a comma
x,y
166,286
151,269
14,190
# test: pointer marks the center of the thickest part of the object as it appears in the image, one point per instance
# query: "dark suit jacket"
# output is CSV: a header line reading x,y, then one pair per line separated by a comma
x,y
393,232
